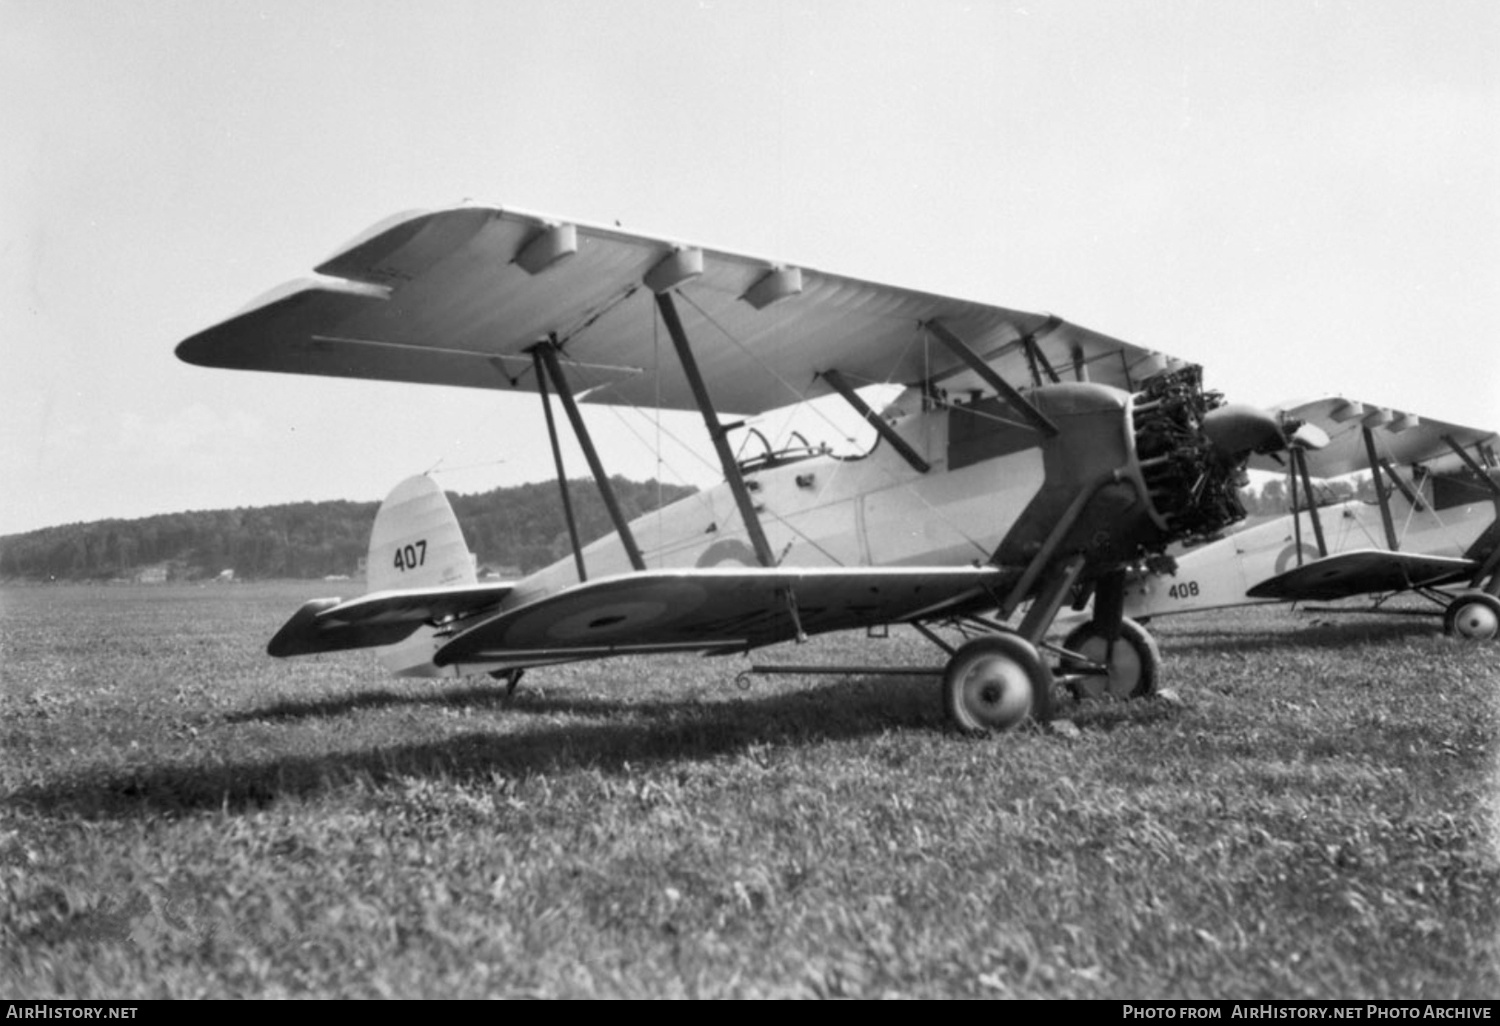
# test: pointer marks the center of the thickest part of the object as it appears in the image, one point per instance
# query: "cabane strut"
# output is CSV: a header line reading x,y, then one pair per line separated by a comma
x,y
1020,403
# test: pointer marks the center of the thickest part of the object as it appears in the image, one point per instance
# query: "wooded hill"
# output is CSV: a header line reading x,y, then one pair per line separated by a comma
x,y
520,528
513,530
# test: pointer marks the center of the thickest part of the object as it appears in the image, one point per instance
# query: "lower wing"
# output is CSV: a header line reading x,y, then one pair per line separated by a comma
x,y
1361,572
717,609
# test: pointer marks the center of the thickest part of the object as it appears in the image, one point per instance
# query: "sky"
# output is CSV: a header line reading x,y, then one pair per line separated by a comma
x,y
1302,196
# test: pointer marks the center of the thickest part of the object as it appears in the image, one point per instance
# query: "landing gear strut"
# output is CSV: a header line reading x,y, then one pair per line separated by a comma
x,y
998,681
510,678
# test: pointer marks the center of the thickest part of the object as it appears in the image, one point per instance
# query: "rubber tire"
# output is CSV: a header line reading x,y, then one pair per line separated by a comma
x,y
1134,671
1473,616
996,683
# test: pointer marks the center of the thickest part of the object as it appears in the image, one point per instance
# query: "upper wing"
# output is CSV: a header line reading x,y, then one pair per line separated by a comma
x,y
1399,437
380,618
458,296
1361,572
716,608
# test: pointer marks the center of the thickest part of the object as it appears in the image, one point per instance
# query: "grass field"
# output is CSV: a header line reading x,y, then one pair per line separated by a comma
x,y
1313,816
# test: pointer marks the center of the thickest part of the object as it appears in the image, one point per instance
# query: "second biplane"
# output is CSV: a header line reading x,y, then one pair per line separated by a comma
x,y
1034,460
1432,527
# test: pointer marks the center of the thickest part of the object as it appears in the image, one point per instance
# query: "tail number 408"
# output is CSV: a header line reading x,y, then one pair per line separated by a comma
x,y
409,557
1185,590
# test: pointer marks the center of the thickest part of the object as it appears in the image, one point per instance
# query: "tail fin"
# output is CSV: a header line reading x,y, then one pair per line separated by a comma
x,y
416,541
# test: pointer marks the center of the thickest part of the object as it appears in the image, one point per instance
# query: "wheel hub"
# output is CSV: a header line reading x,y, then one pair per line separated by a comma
x,y
1476,621
998,693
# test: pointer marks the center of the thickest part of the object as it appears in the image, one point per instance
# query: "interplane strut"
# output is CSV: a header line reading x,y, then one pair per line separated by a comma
x,y
1381,496
547,353
716,431
557,461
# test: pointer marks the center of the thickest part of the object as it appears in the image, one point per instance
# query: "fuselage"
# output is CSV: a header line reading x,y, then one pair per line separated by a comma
x,y
995,489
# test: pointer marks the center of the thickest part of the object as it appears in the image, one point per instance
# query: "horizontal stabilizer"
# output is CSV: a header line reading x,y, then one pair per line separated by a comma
x,y
1361,572
717,608
382,618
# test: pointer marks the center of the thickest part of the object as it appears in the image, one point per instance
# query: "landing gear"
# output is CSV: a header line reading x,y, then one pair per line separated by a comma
x,y
995,683
1134,664
1473,616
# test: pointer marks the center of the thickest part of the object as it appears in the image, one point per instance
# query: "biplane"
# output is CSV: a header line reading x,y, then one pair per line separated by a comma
x,y
1026,462
1431,529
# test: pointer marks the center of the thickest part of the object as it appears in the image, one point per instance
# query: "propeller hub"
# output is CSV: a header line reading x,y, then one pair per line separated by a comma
x,y
1237,429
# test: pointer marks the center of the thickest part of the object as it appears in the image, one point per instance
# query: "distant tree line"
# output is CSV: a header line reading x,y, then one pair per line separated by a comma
x,y
1273,498
517,528
520,528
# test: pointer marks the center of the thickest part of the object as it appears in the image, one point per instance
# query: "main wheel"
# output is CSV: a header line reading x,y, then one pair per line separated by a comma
x,y
1474,616
1134,665
996,683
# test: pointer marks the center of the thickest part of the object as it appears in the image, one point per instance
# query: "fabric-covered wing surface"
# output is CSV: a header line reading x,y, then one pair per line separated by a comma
x,y
1401,438
458,297
717,608
1358,573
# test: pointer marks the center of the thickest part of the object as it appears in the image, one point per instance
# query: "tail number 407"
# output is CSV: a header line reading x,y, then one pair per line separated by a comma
x,y
409,557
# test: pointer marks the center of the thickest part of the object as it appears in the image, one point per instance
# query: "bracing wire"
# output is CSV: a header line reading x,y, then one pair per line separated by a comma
x,y
438,468
664,467
800,534
803,403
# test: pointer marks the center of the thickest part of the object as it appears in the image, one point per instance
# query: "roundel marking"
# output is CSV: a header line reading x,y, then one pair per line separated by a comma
x,y
1288,557
631,613
728,550
607,621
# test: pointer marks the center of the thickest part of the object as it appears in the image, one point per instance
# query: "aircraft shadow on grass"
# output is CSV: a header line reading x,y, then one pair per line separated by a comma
x,y
527,701
483,696
645,734
1331,635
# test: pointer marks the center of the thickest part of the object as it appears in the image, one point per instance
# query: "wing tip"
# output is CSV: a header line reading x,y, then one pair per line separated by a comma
x,y
300,635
